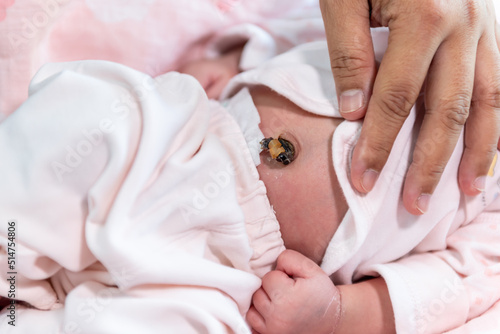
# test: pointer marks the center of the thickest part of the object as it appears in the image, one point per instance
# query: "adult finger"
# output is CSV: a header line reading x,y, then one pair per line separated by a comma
x,y
497,34
347,24
397,86
483,126
447,102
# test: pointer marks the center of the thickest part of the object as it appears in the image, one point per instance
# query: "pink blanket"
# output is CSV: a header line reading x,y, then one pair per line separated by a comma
x,y
152,36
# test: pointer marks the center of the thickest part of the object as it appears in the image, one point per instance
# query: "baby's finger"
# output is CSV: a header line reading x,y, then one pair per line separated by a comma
x,y
276,284
256,321
296,265
261,302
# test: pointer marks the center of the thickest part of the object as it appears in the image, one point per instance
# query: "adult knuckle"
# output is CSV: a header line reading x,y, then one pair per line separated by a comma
x,y
435,171
396,103
487,89
439,15
473,12
492,96
434,13
348,62
456,112
379,148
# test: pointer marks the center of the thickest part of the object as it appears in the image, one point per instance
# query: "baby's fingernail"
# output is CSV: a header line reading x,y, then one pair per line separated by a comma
x,y
423,203
480,183
351,100
369,178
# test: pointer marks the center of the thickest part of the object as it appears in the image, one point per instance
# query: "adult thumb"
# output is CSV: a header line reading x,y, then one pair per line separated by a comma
x,y
347,25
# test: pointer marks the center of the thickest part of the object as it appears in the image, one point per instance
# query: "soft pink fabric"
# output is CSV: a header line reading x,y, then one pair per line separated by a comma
x,y
137,193
152,36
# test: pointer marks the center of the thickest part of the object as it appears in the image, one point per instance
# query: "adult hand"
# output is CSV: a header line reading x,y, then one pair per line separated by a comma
x,y
449,45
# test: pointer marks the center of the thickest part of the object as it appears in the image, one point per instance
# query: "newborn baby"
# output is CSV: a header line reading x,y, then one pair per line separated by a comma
x,y
165,219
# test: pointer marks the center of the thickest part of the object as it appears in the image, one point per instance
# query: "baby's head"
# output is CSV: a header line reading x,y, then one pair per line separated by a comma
x,y
305,193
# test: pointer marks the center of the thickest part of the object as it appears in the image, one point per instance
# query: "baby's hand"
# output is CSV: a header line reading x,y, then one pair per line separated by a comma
x,y
214,74
297,297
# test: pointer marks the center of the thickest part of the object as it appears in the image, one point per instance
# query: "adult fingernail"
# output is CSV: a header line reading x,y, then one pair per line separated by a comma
x,y
351,100
480,183
368,181
423,203
491,172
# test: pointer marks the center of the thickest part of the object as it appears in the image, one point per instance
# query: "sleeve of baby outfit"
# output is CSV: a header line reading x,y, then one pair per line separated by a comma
x,y
443,290
486,323
280,27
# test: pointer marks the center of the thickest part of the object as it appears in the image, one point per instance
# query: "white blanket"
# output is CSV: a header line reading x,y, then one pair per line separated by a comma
x,y
137,206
